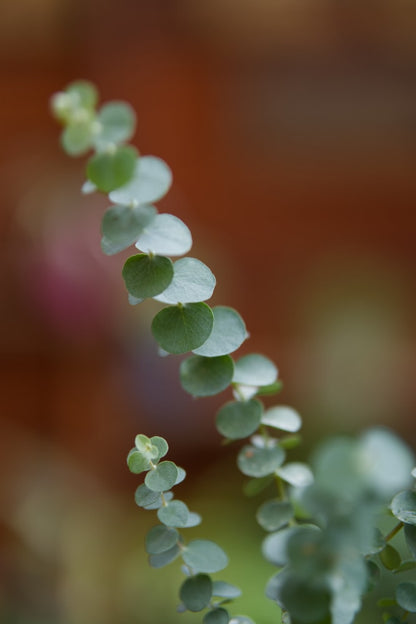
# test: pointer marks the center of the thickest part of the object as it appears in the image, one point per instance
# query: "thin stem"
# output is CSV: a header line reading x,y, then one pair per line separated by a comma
x,y
280,488
394,531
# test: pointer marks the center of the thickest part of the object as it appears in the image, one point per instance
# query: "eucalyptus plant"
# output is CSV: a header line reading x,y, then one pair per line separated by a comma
x,y
321,520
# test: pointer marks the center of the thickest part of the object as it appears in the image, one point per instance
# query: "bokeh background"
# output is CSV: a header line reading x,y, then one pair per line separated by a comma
x,y
291,130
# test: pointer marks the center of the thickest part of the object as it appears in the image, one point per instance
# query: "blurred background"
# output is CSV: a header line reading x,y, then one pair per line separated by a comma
x,y
290,127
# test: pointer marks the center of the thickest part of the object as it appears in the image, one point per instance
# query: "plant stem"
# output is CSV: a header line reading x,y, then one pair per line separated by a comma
x,y
394,531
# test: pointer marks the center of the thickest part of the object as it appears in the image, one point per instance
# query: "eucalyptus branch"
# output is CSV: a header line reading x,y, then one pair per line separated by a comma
x,y
322,527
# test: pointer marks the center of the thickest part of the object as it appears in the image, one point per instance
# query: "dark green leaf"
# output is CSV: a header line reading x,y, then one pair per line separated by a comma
x,y
410,534
196,592
109,170
405,566
216,616
374,575
179,329
390,557
146,276
202,376
239,419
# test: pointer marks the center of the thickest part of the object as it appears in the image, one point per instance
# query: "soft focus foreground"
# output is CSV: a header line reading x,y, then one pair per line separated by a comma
x,y
290,133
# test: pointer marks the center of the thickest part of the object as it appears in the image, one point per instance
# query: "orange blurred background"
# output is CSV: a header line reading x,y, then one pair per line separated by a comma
x,y
291,131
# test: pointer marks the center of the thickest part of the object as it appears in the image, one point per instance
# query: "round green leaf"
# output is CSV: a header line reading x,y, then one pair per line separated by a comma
x,y
228,333
282,417
122,225
274,547
160,538
196,592
158,502
85,93
109,170
254,486
241,619
259,462
76,137
145,276
175,514
145,497
216,616
405,566
237,419
314,603
162,447
145,447
182,328
255,370
151,180
221,589
117,122
163,477
296,473
204,556
406,596
201,376
385,478
373,575
181,475
162,559
137,462
166,235
410,535
274,514
192,282
390,557
403,506
193,520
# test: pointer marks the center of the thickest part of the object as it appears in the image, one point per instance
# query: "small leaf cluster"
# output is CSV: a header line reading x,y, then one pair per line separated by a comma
x,y
328,546
134,183
165,543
